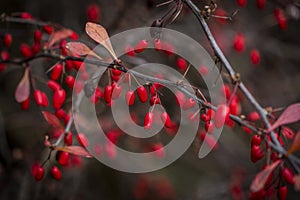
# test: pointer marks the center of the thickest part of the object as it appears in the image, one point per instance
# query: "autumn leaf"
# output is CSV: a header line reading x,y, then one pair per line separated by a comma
x,y
81,49
261,178
295,145
52,120
59,35
290,115
99,34
23,89
75,150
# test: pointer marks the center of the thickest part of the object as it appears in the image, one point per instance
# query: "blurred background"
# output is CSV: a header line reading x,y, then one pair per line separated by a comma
x,y
224,173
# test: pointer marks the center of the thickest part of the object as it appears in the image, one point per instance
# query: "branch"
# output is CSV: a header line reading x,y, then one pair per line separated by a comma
x,y
261,111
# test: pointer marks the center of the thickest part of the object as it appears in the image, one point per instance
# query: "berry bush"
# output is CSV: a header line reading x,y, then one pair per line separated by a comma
x,y
45,56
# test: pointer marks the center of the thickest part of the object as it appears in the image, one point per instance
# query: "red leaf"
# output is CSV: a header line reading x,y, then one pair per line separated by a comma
x,y
295,145
75,150
99,34
59,35
23,90
297,183
261,178
52,120
290,115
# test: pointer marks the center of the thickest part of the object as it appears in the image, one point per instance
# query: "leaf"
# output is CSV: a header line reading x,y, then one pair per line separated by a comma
x,y
59,35
75,150
290,115
295,145
52,120
23,89
297,183
261,178
99,34
81,49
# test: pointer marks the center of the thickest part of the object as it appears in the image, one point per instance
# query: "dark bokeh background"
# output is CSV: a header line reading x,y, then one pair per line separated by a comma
x,y
275,82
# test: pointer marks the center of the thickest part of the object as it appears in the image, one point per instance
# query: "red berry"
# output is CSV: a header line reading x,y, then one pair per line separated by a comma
x,y
154,100
203,70
38,36
53,85
261,4
74,36
209,127
221,12
48,29
222,114
93,13
180,98
4,55
157,44
38,97
56,72
45,99
259,195
129,50
256,153
35,48
166,119
68,139
116,72
253,116
205,117
7,40
70,80
242,3
107,93
148,120
255,57
282,193
117,89
288,175
239,42
59,97
25,50
78,86
181,64
25,104
141,46
55,172
142,93
82,139
211,113
168,48
130,97
39,173
25,15
256,140
226,91
159,150
189,104
282,22
62,158
60,113
235,106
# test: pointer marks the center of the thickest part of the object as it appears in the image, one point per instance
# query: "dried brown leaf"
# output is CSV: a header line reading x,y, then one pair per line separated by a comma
x,y
75,150
295,145
81,49
23,89
290,115
261,178
52,120
59,35
99,34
